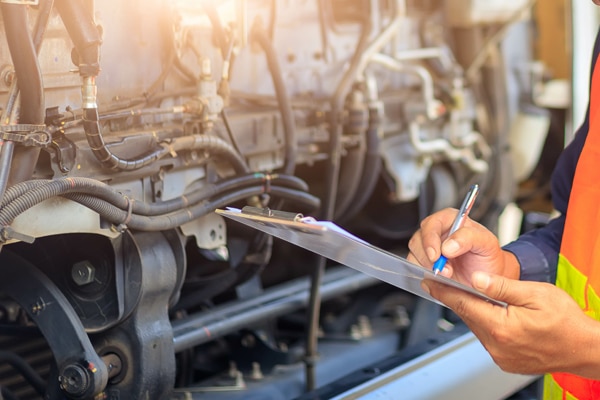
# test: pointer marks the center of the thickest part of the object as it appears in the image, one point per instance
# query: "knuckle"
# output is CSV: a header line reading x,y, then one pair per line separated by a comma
x,y
499,336
412,241
501,288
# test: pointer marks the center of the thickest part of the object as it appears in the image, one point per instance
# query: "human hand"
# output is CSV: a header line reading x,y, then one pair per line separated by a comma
x,y
471,248
541,330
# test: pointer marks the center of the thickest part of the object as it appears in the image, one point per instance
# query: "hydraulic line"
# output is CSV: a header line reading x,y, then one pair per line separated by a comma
x,y
29,82
89,193
86,37
93,134
169,221
328,209
84,33
30,375
26,194
369,175
259,34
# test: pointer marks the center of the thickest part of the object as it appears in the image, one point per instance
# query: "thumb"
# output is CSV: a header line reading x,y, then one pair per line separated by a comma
x,y
497,287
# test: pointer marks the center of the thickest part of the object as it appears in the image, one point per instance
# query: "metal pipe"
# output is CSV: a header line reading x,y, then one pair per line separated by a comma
x,y
202,328
431,103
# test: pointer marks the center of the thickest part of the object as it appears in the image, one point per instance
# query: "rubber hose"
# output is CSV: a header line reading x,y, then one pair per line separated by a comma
x,y
30,375
173,220
83,32
259,34
369,175
29,83
93,134
100,190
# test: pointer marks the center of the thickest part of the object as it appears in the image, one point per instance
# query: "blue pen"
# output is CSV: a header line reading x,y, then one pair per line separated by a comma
x,y
461,217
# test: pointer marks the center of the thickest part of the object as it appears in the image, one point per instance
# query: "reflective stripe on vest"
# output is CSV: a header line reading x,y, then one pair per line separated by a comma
x,y
580,248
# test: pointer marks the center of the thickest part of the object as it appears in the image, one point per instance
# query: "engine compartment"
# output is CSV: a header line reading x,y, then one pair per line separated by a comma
x,y
126,124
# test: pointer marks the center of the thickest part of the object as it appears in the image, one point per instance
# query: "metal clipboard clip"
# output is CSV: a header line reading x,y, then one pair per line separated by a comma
x,y
333,242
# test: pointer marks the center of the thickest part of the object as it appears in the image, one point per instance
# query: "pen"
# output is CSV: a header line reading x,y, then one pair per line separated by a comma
x,y
459,221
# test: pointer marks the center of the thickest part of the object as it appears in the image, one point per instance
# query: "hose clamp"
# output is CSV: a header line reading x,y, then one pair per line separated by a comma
x,y
26,134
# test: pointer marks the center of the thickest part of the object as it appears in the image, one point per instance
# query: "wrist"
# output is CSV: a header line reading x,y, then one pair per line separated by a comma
x,y
585,352
512,267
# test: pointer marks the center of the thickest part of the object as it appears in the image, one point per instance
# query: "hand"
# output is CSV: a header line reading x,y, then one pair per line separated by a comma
x,y
542,329
471,248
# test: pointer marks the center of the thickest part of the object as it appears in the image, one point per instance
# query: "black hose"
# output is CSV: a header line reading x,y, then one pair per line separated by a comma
x,y
328,209
259,34
6,394
119,216
18,363
220,37
169,221
29,84
370,172
353,163
351,170
84,33
93,134
337,108
25,195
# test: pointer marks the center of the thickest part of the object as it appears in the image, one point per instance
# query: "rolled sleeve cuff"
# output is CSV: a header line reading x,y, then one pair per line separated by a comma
x,y
534,264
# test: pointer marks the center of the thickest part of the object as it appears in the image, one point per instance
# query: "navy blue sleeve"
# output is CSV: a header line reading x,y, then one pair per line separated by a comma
x,y
537,251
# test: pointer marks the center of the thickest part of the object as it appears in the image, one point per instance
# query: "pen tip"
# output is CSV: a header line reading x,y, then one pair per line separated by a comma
x,y
435,272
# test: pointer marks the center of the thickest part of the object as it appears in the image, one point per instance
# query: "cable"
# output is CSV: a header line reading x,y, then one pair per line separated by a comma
x,y
23,52
6,394
18,363
118,209
289,126
173,220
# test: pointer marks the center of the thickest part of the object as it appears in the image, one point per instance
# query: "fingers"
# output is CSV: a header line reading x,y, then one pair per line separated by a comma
x,y
425,244
510,291
462,303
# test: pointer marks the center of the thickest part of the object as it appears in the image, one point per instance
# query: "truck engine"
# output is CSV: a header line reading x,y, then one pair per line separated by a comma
x,y
126,124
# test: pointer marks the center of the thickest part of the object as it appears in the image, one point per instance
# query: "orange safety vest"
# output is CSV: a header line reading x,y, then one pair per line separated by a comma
x,y
578,270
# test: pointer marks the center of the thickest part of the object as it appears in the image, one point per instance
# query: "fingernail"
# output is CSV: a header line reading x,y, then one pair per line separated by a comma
x,y
430,253
481,280
451,246
425,287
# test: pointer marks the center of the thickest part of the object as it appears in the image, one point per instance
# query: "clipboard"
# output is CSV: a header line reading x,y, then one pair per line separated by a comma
x,y
333,242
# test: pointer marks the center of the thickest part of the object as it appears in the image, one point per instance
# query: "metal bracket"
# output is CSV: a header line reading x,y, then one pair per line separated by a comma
x,y
82,373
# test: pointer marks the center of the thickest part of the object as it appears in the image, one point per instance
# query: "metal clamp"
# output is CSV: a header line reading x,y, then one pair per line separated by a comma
x,y
26,134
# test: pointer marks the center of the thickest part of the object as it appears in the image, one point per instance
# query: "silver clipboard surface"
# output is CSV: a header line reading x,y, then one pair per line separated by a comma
x,y
329,240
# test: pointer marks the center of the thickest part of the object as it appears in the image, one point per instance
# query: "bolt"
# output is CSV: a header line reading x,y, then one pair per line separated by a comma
x,y
401,318
355,333
233,371
38,306
113,363
74,380
256,372
83,273
364,326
